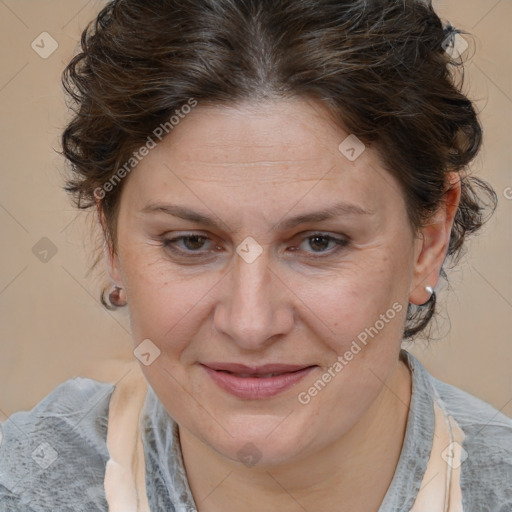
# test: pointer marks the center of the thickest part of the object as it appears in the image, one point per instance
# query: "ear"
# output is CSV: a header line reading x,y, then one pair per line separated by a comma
x,y
110,257
432,243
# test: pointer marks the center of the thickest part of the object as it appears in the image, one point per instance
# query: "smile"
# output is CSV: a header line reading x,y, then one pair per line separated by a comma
x,y
255,383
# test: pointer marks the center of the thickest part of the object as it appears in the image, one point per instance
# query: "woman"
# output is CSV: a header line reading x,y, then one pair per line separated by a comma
x,y
279,184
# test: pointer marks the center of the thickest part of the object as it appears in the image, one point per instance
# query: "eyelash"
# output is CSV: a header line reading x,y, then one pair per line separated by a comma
x,y
170,243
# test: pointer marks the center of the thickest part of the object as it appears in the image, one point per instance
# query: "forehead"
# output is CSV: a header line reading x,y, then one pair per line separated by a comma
x,y
285,149
274,141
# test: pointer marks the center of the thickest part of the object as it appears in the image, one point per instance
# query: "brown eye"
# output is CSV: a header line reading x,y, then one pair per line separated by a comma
x,y
319,243
322,244
186,244
193,243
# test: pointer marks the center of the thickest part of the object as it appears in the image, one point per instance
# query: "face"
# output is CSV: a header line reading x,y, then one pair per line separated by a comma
x,y
271,272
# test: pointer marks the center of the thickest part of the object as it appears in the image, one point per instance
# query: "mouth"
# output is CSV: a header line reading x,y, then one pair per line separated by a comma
x,y
252,383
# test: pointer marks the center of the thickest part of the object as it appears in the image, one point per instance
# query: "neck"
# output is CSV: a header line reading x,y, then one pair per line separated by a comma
x,y
354,472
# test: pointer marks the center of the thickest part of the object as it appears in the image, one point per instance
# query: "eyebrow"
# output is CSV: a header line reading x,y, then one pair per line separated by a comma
x,y
332,212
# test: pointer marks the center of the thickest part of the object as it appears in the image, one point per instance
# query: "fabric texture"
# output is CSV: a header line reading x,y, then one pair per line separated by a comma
x,y
54,457
125,472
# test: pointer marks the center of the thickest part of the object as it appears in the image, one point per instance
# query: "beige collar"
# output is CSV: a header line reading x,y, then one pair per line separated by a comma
x,y
440,488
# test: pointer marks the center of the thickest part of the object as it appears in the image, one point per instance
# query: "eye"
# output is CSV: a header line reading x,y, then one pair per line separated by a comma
x,y
322,244
186,244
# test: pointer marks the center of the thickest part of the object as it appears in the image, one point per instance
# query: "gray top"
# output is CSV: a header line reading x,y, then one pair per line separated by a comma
x,y
53,457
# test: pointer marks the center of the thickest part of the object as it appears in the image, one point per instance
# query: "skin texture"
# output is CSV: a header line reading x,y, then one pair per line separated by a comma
x,y
249,168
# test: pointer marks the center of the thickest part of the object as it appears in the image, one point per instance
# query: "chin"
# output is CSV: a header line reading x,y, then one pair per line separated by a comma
x,y
259,440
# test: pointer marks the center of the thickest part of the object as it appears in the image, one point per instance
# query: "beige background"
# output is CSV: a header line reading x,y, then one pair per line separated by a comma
x,y
52,325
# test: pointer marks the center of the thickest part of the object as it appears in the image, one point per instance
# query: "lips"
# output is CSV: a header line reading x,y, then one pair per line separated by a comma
x,y
250,382
241,369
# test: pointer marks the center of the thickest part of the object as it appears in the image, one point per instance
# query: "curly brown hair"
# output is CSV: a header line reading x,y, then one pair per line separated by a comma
x,y
380,66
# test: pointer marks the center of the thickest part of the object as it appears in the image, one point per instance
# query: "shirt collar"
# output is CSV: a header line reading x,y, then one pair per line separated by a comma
x,y
417,444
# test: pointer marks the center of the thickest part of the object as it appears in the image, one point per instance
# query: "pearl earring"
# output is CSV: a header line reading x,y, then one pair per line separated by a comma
x,y
429,289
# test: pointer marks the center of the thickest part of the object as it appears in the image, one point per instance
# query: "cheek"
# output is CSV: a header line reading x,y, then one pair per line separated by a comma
x,y
348,303
165,305
360,318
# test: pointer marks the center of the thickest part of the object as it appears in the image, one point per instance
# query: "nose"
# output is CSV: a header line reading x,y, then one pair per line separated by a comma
x,y
255,307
